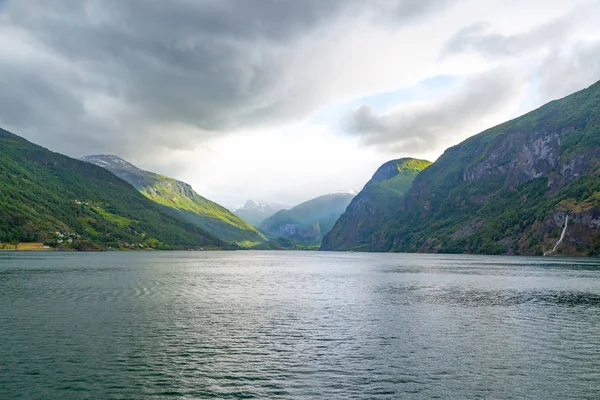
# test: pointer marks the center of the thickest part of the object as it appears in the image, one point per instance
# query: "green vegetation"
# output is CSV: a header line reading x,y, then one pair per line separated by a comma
x,y
508,189
380,201
514,221
179,199
67,203
303,226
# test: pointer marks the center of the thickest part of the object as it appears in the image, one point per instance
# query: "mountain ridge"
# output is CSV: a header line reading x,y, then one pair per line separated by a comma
x,y
67,203
381,197
509,189
180,199
256,211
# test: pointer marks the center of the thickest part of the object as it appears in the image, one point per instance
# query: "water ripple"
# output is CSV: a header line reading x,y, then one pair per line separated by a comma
x,y
298,325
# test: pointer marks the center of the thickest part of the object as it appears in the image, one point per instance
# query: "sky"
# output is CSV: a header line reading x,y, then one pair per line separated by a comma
x,y
282,100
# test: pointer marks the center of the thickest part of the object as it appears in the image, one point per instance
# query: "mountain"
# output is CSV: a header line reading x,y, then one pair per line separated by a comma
x,y
46,196
255,212
306,223
179,199
379,201
509,189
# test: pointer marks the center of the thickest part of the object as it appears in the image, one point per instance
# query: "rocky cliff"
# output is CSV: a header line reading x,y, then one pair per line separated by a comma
x,y
509,189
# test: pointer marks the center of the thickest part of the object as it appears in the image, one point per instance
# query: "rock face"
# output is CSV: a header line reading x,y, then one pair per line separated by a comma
x,y
507,190
255,211
371,210
306,223
179,199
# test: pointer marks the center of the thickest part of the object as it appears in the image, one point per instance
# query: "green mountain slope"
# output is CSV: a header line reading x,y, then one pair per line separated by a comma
x,y
179,199
255,212
508,190
307,223
379,201
46,196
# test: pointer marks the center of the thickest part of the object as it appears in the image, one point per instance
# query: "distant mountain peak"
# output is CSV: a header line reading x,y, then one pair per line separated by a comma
x,y
253,204
255,211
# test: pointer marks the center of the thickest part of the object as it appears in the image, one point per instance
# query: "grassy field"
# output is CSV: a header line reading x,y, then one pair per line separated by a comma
x,y
25,247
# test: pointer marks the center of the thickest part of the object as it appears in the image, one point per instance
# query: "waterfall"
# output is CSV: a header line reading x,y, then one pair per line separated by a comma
x,y
562,236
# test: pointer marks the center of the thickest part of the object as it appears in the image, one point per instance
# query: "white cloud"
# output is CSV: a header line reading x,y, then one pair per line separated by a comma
x,y
421,127
290,164
505,72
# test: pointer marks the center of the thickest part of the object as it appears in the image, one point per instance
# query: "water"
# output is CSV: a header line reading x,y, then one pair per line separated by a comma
x,y
297,325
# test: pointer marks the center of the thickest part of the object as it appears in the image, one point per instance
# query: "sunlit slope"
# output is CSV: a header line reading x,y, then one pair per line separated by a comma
x,y
179,199
374,207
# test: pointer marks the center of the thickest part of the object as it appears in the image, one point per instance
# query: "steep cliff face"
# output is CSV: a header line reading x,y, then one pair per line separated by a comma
x,y
378,202
508,189
179,199
306,223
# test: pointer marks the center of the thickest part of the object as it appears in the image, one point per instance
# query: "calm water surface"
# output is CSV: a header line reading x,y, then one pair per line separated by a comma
x,y
297,325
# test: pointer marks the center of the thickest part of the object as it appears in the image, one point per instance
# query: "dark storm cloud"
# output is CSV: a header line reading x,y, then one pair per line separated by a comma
x,y
25,90
211,65
422,127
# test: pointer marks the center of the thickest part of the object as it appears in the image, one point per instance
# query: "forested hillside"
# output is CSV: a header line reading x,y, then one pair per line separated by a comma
x,y
46,196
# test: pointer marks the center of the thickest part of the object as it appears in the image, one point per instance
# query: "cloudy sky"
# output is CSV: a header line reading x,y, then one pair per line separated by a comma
x,y
282,100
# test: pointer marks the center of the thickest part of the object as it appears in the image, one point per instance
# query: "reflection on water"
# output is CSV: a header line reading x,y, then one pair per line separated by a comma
x,y
297,325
